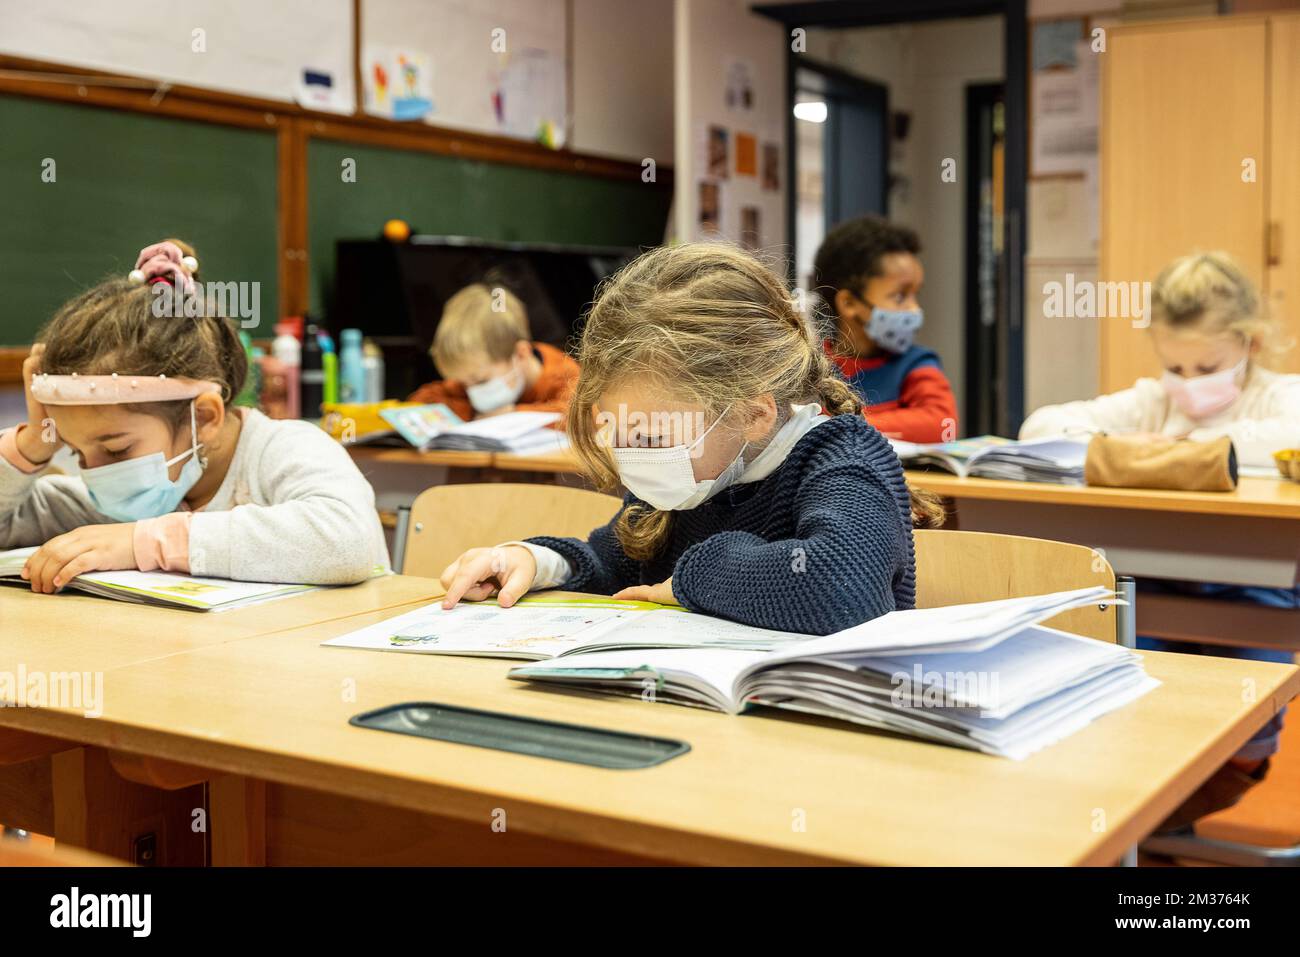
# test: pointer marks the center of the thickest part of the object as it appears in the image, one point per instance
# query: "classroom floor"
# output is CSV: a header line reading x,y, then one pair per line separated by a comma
x,y
1269,814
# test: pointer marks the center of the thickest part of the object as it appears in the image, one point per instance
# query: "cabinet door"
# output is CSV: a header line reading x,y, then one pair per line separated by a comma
x,y
1284,183
1184,111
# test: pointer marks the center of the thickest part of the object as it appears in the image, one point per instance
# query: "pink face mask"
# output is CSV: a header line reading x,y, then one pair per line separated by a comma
x,y
1205,395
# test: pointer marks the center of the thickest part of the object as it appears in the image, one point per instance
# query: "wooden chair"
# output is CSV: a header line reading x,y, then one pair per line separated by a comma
x,y
953,568
445,520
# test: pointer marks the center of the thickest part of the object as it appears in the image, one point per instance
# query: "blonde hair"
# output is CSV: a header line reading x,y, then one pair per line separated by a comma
x,y
480,321
713,326
1209,293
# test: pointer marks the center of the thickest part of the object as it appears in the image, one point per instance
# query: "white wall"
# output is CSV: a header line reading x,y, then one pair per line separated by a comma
x,y
708,35
623,78
621,53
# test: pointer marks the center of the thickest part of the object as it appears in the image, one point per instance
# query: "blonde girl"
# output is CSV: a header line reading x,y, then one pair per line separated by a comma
x,y
1209,334
756,491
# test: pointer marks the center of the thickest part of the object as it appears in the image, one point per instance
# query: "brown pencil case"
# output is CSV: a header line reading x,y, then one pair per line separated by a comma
x,y
1125,461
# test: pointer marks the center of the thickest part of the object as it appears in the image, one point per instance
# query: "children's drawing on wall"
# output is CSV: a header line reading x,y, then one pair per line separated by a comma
x,y
771,167
746,154
740,85
710,208
751,233
718,152
397,83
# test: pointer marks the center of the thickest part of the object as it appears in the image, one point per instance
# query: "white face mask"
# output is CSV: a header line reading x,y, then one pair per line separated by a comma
x,y
663,477
496,393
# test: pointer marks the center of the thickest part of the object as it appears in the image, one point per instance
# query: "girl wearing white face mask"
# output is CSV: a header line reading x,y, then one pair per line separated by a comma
x,y
756,491
1210,338
172,475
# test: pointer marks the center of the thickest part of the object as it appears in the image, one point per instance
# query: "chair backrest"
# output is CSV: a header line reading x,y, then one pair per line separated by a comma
x,y
448,519
954,567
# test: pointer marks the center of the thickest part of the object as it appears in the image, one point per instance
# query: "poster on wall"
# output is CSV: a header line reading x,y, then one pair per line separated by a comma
x,y
529,98
771,167
318,90
710,208
751,232
739,89
397,83
717,152
746,154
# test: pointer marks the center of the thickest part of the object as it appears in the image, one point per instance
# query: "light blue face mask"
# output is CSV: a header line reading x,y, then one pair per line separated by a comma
x,y
893,329
141,487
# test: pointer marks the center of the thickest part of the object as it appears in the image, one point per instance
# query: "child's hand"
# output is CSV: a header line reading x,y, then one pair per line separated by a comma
x,y
481,571
86,549
39,441
661,594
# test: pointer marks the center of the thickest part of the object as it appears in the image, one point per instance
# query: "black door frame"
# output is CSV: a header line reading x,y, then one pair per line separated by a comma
x,y
1015,71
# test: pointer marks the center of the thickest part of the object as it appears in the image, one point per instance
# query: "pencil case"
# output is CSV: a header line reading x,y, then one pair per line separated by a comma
x,y
1125,461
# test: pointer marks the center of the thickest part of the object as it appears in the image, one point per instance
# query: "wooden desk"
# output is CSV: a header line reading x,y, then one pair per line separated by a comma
x,y
49,784
563,462
434,458
1250,536
86,633
291,782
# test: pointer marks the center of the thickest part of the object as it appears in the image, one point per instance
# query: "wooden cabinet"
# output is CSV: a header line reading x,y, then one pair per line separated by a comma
x,y
1200,150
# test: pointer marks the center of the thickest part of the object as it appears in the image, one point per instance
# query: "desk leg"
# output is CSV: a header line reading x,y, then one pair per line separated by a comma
x,y
237,818
1126,636
97,809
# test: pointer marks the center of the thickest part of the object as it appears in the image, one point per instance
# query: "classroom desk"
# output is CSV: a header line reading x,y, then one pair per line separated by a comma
x,y
264,720
49,632
1250,536
57,637
561,462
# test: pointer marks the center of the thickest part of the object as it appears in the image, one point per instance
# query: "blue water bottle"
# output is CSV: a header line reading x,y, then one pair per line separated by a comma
x,y
352,368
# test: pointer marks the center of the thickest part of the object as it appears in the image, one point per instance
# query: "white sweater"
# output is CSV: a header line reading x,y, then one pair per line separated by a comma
x,y
1263,420
293,507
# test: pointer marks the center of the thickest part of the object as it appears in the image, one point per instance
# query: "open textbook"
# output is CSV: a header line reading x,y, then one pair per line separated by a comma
x,y
985,676
158,588
541,626
1059,461
437,427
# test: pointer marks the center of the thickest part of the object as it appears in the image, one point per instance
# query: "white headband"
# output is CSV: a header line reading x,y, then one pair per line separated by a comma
x,y
115,389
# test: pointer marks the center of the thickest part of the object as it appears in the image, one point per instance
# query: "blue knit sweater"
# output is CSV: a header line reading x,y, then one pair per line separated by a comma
x,y
821,544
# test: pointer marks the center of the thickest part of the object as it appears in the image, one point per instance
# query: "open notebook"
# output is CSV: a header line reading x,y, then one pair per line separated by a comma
x,y
986,676
438,427
1058,461
159,588
539,627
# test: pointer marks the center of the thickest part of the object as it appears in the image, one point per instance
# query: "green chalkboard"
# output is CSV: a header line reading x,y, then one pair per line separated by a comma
x,y
443,195
121,180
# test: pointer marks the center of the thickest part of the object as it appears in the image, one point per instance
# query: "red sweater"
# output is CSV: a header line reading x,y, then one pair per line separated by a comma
x,y
550,393
907,396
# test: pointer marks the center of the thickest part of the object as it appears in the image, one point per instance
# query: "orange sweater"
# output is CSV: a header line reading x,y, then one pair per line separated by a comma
x,y
550,393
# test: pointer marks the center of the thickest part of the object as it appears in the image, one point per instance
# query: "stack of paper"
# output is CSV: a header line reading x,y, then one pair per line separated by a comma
x,y
1058,461
984,676
437,427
